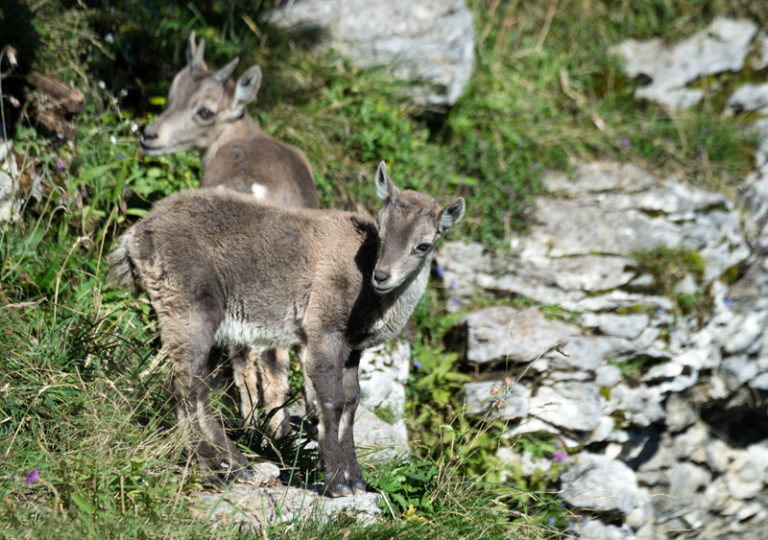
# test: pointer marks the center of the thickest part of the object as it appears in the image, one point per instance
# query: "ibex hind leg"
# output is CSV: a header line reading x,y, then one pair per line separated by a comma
x,y
275,364
245,373
189,342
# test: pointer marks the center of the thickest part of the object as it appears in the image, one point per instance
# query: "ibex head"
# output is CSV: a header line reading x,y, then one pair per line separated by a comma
x,y
409,225
201,103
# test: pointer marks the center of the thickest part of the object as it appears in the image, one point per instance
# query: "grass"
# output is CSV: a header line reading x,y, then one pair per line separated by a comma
x,y
75,401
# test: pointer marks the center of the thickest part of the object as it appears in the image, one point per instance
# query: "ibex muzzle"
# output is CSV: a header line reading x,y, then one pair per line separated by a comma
x,y
288,276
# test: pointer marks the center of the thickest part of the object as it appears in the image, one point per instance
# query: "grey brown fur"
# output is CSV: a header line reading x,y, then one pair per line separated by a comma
x,y
220,269
237,155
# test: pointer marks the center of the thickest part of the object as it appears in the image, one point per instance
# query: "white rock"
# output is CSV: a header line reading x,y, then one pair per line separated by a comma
x,y
748,97
596,483
429,42
495,399
623,326
569,405
747,472
723,46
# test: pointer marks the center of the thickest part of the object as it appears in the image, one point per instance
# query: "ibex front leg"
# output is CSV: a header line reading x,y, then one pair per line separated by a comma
x,y
351,386
325,363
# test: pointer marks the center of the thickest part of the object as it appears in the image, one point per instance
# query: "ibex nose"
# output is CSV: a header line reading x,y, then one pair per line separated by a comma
x,y
380,277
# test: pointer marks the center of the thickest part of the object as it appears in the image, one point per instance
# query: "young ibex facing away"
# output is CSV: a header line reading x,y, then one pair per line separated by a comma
x,y
206,111
221,269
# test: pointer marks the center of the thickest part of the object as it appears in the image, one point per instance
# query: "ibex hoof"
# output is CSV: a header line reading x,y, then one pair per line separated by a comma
x,y
358,486
338,489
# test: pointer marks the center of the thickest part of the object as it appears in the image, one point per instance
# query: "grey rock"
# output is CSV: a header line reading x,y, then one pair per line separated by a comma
x,y
383,375
10,203
722,46
571,406
737,370
607,376
596,530
586,353
643,514
499,333
569,227
695,438
252,508
496,400
623,326
508,458
746,330
596,483
718,455
747,472
640,405
428,42
748,97
379,440
601,176
679,414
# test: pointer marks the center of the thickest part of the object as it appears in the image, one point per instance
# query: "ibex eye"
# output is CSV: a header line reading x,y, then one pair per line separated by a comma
x,y
205,113
423,247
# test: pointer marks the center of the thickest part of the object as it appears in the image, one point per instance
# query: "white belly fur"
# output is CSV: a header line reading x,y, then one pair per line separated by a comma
x,y
237,332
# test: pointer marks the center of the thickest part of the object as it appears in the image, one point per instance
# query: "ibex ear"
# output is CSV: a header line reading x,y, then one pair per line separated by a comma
x,y
224,73
248,85
452,214
195,52
245,90
385,188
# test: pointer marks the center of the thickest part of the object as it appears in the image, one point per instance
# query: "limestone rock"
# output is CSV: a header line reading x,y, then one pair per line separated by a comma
x,y
428,42
599,484
504,333
723,46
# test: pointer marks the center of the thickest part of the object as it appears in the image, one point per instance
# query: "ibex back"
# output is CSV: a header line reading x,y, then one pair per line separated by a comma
x,y
207,111
222,269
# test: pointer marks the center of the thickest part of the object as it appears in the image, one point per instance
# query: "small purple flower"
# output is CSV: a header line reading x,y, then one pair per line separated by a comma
x,y
659,311
570,524
584,521
729,302
416,363
624,142
562,503
121,157
60,165
551,521
439,270
454,302
33,476
452,286
558,456
5,458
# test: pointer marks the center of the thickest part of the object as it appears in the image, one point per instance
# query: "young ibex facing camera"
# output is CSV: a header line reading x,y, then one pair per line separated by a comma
x,y
221,269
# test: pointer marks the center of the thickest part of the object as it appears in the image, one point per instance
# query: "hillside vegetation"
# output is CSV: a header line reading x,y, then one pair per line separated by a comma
x,y
81,402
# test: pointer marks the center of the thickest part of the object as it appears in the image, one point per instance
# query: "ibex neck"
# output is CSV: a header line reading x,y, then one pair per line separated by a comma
x,y
243,128
395,308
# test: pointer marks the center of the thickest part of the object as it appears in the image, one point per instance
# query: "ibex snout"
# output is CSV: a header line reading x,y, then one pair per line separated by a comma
x,y
381,280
